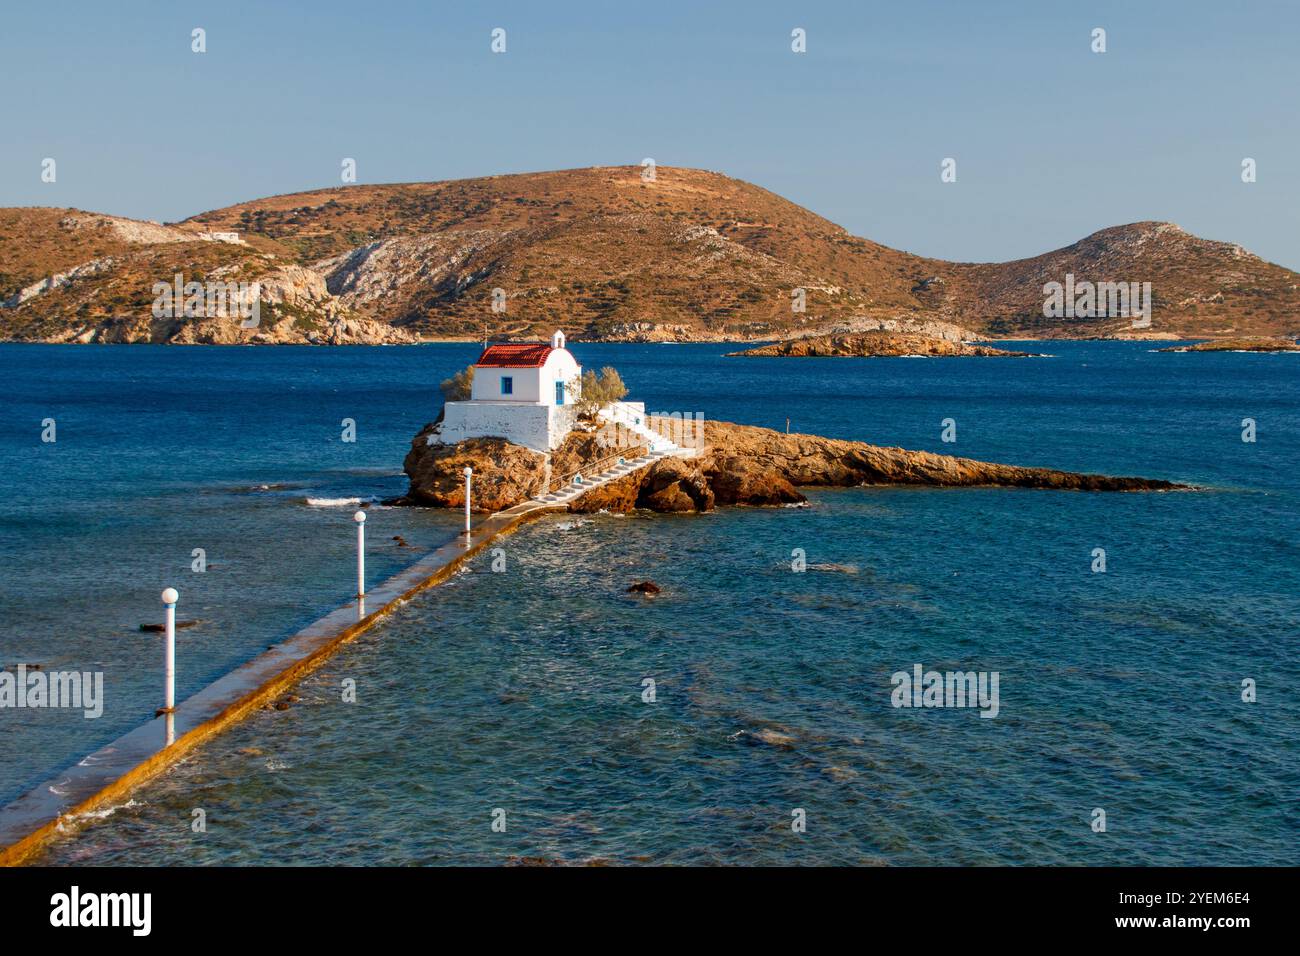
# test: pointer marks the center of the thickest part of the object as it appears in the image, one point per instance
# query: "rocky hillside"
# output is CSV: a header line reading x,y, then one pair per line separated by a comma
x,y
1198,287
72,276
691,255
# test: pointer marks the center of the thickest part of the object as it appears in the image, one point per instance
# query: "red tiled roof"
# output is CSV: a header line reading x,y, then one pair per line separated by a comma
x,y
514,355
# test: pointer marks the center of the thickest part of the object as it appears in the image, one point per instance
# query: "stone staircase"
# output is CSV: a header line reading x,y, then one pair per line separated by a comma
x,y
631,418
577,487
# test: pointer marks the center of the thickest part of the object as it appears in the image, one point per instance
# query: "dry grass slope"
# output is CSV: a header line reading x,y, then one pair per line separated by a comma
x,y
692,255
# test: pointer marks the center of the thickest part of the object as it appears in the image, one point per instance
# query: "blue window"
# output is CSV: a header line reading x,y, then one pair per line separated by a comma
x,y
559,393
507,385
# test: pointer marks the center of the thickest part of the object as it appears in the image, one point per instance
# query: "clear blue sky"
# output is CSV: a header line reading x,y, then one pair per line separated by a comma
x,y
1051,140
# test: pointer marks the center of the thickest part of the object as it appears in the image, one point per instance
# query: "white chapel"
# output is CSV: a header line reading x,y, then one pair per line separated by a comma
x,y
523,392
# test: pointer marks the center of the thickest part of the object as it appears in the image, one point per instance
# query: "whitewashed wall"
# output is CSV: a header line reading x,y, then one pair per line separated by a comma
x,y
539,427
487,385
561,366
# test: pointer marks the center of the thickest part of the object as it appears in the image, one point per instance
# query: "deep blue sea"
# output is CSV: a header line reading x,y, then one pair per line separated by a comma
x,y
519,696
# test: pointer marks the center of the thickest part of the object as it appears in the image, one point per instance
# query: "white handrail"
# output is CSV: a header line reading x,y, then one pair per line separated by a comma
x,y
625,414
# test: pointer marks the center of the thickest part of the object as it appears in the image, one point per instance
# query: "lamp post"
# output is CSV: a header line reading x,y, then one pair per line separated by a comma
x,y
469,482
169,599
360,518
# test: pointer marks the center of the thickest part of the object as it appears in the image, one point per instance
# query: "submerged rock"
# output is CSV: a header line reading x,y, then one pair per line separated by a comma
x,y
834,568
770,738
159,628
644,587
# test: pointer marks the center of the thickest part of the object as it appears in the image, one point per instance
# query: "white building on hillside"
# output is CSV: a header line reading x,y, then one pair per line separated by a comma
x,y
524,393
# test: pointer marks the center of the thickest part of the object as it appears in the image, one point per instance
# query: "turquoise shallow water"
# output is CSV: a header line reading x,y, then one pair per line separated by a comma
x,y
522,690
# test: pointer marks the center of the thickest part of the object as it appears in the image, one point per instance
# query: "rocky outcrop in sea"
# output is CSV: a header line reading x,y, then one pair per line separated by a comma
x,y
1241,344
876,344
739,465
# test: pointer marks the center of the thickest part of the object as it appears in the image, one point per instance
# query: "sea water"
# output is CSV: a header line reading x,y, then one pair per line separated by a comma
x,y
744,714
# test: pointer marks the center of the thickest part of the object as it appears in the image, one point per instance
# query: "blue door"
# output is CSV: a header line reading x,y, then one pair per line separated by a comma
x,y
559,393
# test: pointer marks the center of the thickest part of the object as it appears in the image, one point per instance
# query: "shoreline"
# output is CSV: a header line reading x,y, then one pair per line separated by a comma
x,y
577,341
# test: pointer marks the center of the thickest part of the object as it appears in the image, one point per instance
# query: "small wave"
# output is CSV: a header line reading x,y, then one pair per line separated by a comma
x,y
340,502
106,812
265,488
72,821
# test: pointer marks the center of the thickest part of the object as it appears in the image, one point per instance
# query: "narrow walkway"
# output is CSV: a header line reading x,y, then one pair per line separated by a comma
x,y
68,799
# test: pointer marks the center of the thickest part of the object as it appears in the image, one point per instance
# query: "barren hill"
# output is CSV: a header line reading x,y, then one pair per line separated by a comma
x,y
691,255
1198,286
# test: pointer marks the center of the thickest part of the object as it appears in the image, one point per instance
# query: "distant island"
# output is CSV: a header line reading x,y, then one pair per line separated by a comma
x,y
609,253
928,340
1254,344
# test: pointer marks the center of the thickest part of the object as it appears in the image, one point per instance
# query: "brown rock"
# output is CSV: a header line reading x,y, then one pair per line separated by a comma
x,y
741,481
644,587
675,485
504,474
811,460
618,497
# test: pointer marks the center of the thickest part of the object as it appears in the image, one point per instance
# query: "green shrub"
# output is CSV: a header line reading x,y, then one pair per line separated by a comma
x,y
599,390
459,387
